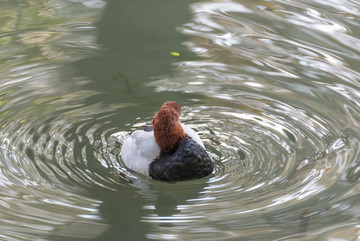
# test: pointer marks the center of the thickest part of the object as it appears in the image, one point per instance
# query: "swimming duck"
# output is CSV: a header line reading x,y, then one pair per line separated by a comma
x,y
167,150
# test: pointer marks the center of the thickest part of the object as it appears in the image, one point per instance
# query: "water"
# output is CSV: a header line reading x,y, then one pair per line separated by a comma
x,y
272,88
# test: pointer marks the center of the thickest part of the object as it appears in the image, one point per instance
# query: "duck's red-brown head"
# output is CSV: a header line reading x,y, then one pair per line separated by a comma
x,y
167,126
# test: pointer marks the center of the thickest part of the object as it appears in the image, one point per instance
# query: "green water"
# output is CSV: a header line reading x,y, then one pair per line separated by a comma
x,y
272,88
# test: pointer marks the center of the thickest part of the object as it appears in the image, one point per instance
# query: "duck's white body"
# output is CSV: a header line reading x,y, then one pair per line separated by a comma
x,y
140,149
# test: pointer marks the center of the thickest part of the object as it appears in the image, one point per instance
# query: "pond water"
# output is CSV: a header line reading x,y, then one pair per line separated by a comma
x,y
272,87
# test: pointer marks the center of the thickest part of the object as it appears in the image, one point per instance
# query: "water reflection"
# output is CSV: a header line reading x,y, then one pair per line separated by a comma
x,y
271,87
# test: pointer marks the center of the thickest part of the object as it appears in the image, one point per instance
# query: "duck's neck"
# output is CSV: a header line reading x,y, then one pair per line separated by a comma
x,y
168,130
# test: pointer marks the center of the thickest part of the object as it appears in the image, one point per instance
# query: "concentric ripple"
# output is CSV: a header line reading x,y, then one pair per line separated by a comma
x,y
272,88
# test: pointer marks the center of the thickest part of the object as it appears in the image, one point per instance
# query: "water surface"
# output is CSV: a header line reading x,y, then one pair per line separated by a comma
x,y
272,88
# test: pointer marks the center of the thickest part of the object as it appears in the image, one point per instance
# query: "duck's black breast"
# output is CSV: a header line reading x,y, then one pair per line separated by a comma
x,y
187,161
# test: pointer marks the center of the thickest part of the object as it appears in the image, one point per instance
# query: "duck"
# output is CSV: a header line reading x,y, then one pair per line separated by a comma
x,y
167,150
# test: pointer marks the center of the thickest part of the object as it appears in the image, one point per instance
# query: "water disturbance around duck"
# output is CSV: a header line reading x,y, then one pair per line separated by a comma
x,y
271,87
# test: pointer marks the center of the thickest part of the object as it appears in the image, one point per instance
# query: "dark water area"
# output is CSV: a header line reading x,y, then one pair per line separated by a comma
x,y
272,88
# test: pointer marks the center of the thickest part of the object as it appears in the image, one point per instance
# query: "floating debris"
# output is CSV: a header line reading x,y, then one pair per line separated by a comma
x,y
176,54
304,221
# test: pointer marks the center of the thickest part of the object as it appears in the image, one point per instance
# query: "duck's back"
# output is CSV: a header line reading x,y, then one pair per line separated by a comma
x,y
140,148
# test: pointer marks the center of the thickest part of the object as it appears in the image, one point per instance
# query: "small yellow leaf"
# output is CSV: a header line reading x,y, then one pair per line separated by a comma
x,y
175,54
